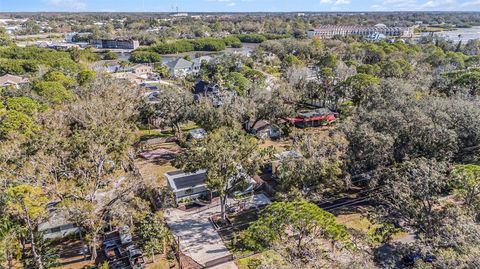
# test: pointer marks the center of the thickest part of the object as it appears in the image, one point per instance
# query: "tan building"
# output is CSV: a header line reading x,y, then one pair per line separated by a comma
x,y
133,78
11,80
142,69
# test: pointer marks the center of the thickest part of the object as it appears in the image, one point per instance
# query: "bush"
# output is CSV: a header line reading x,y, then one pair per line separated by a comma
x,y
15,122
145,57
85,76
24,104
370,69
252,38
86,55
54,92
237,82
201,44
58,76
110,55
271,36
208,44
232,41
175,47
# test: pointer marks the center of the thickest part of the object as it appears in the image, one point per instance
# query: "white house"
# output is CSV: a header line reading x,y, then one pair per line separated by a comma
x,y
193,185
180,67
187,185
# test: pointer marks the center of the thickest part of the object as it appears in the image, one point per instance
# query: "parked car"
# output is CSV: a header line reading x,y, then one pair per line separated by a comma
x,y
111,250
412,258
135,257
117,265
125,235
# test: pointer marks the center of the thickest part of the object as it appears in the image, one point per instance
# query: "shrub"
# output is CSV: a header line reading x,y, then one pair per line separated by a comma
x,y
54,92
24,104
145,57
252,38
110,55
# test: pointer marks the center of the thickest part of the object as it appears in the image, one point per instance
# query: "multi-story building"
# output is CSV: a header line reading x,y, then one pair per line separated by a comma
x,y
127,44
329,31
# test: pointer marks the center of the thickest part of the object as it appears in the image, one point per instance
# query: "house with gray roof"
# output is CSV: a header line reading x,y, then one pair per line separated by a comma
x,y
180,67
197,63
187,185
57,225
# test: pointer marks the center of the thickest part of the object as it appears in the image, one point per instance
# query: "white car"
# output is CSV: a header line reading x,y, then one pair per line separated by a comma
x,y
125,235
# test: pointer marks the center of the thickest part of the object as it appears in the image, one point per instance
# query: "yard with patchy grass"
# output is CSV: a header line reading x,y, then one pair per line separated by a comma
x,y
157,162
256,259
161,263
279,145
360,223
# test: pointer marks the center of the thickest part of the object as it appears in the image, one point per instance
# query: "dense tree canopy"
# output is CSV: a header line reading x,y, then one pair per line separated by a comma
x,y
229,158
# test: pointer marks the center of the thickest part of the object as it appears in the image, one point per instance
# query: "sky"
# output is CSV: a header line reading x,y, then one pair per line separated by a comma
x,y
237,5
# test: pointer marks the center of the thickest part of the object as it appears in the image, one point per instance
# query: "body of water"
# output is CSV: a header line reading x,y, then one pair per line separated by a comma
x,y
461,34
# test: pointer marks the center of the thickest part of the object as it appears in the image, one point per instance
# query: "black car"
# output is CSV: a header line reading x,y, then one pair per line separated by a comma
x,y
412,258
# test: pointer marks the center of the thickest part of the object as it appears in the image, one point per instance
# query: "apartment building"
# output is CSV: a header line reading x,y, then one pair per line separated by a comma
x,y
329,31
127,44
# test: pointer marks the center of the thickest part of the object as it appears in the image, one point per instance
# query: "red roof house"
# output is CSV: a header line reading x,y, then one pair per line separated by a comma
x,y
313,118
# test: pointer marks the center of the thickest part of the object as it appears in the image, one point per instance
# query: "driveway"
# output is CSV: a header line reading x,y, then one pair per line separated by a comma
x,y
198,238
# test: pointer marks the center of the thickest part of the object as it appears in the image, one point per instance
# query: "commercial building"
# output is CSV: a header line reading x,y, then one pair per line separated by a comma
x,y
329,31
126,44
